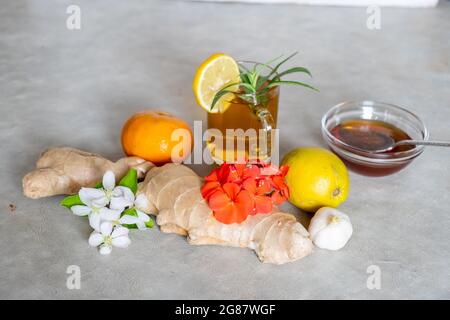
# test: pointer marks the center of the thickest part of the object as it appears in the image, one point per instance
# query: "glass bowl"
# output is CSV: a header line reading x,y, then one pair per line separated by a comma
x,y
369,163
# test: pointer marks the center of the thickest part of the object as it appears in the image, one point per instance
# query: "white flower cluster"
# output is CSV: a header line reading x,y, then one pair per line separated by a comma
x,y
107,209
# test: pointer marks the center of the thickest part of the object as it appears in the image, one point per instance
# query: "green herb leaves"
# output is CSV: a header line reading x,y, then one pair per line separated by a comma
x,y
254,86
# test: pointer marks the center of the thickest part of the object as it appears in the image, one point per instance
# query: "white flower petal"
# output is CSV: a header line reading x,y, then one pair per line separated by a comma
x,y
105,249
119,232
127,219
121,242
106,228
109,180
141,202
89,194
95,239
94,221
120,203
142,216
122,197
81,210
100,202
141,225
124,192
109,214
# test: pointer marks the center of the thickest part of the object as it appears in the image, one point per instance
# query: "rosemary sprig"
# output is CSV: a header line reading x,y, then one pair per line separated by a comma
x,y
253,87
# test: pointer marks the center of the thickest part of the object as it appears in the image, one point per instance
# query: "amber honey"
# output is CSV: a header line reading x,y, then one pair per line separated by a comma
x,y
371,135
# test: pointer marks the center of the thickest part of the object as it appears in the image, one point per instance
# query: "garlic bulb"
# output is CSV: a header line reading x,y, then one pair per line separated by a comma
x,y
330,229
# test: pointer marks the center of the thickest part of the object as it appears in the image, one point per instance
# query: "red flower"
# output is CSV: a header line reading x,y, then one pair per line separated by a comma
x,y
281,186
281,192
245,171
209,188
234,173
259,191
231,204
277,198
234,191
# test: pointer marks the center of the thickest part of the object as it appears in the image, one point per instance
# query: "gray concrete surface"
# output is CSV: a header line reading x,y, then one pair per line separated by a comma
x,y
76,88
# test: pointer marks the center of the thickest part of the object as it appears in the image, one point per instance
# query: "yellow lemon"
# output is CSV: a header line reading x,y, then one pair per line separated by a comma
x,y
216,72
316,178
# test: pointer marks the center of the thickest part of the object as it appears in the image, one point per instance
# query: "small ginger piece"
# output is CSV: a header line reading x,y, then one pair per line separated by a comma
x,y
66,170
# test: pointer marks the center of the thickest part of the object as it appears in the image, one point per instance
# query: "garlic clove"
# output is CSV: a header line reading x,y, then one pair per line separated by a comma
x,y
330,229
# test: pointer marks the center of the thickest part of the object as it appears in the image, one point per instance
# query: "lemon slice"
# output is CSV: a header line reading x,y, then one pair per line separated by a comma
x,y
213,74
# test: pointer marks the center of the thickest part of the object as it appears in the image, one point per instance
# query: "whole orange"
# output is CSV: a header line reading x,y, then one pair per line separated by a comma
x,y
152,135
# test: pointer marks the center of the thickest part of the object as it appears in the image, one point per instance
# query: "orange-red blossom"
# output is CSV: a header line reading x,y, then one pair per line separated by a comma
x,y
235,191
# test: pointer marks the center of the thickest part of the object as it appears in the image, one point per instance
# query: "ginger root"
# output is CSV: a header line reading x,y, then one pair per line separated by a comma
x,y
173,191
66,170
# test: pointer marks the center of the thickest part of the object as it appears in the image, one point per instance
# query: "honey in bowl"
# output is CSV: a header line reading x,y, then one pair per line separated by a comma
x,y
371,135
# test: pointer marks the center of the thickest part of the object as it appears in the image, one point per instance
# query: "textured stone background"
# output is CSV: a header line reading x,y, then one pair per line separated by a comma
x,y
76,88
